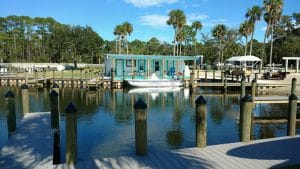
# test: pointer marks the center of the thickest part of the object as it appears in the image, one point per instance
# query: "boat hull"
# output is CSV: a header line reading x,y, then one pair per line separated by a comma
x,y
154,83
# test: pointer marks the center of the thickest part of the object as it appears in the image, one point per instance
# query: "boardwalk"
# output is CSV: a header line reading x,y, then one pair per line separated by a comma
x,y
31,147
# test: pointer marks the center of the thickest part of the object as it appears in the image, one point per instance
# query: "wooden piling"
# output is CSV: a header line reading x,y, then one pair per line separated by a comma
x,y
62,79
56,146
201,122
292,113
293,88
26,77
246,118
81,82
112,78
54,109
36,77
71,134
140,108
222,77
192,84
253,88
55,87
214,75
86,80
25,98
72,77
11,112
205,75
225,85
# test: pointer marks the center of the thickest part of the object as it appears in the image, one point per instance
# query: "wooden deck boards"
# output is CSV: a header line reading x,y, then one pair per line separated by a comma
x,y
31,147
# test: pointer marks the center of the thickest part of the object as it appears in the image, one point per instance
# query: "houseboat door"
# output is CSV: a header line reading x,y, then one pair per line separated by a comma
x,y
157,68
119,68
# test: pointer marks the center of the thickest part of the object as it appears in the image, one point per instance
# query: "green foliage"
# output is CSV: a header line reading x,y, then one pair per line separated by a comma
x,y
25,39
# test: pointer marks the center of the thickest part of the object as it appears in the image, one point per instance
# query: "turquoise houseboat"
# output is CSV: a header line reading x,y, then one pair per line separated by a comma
x,y
142,66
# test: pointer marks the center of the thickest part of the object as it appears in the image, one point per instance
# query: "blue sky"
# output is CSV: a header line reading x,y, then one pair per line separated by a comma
x,y
148,17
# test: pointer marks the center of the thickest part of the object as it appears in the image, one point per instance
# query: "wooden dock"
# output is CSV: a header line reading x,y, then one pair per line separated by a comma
x,y
273,99
31,147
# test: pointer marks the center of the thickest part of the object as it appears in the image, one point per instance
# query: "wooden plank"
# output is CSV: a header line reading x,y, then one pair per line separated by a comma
x,y
31,145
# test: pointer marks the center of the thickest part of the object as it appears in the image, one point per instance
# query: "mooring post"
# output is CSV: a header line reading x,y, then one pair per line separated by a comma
x,y
214,75
81,82
72,77
205,75
225,85
198,71
242,95
36,77
54,110
201,122
25,98
192,84
256,76
62,79
55,87
246,118
11,112
112,80
222,77
44,77
86,79
253,88
26,77
140,108
71,134
56,146
294,83
17,78
53,76
292,115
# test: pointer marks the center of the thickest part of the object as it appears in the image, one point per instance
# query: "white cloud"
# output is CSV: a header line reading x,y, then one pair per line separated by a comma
x,y
214,22
149,3
263,28
154,20
196,16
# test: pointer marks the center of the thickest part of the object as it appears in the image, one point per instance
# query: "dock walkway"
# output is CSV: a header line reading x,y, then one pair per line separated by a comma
x,y
31,147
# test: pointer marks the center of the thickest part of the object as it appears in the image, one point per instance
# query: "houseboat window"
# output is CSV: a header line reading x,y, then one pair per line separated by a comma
x,y
129,63
156,66
141,67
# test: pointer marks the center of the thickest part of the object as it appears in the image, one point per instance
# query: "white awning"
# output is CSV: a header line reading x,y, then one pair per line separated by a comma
x,y
243,59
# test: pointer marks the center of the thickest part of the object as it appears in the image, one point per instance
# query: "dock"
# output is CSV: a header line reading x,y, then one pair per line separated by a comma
x,y
31,147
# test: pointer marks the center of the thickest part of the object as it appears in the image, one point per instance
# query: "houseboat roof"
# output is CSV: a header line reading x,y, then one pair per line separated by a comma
x,y
152,57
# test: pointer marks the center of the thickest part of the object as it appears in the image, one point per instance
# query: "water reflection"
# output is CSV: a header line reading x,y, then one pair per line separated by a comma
x,y
106,118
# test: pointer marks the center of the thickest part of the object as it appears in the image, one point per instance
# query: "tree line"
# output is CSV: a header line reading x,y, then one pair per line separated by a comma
x,y
25,39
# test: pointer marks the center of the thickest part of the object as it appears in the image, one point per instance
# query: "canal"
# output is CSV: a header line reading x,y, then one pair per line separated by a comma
x,y
106,118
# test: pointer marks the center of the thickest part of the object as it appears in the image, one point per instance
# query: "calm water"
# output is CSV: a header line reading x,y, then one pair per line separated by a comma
x,y
106,119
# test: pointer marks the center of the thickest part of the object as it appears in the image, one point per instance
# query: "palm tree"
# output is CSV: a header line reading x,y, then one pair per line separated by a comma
x,y
273,11
219,32
253,15
197,26
120,32
246,30
128,28
177,19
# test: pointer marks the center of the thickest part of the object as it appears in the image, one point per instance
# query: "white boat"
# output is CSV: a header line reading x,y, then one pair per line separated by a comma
x,y
154,82
155,90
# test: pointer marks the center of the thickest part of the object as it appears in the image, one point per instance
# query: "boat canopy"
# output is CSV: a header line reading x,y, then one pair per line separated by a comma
x,y
242,62
244,59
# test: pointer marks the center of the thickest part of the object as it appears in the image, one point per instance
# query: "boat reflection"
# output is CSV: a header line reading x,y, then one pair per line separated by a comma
x,y
155,91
